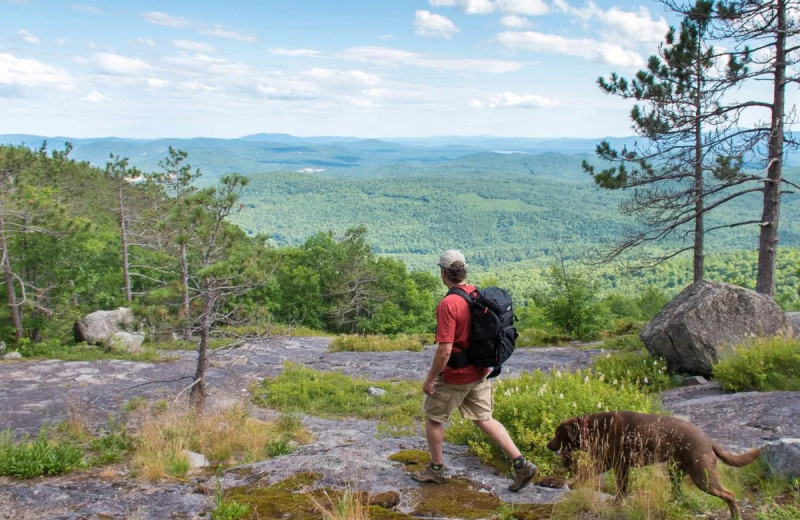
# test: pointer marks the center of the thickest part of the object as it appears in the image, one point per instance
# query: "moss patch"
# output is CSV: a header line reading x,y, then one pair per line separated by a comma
x,y
414,460
294,498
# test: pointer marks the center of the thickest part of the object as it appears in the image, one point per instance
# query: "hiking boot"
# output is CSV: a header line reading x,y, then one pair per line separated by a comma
x,y
430,475
523,475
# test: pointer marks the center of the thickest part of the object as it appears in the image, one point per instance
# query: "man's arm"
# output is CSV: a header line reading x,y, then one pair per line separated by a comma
x,y
440,359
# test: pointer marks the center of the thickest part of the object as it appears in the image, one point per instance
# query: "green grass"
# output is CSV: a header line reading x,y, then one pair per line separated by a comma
x,y
376,343
54,349
335,395
763,364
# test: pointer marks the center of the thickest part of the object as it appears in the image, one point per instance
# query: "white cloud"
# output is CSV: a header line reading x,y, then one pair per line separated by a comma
x,y
156,83
513,21
524,7
386,37
308,53
147,42
196,86
348,76
476,103
31,73
95,97
190,45
232,35
159,18
60,42
512,100
589,49
28,37
208,66
118,65
477,6
629,25
433,25
396,57
442,3
88,9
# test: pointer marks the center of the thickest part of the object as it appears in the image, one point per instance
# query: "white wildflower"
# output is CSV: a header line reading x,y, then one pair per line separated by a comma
x,y
561,395
586,379
646,381
599,405
614,382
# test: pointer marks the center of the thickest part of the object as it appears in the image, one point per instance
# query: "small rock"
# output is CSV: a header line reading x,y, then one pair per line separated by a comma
x,y
695,381
783,457
375,392
196,460
13,355
388,500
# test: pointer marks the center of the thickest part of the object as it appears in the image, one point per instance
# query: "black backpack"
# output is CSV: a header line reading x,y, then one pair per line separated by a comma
x,y
493,336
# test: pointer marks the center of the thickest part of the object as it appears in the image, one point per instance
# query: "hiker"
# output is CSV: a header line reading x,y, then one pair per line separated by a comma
x,y
466,388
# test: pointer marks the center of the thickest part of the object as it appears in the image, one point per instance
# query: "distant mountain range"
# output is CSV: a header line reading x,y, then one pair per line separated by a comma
x,y
325,155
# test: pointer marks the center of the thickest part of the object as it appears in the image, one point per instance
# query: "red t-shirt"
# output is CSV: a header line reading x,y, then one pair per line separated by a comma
x,y
453,325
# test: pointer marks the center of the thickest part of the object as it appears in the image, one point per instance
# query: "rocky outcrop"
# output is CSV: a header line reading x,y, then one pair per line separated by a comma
x,y
110,328
691,330
783,457
794,319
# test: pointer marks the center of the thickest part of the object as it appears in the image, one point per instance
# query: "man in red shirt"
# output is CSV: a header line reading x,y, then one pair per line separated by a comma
x,y
466,389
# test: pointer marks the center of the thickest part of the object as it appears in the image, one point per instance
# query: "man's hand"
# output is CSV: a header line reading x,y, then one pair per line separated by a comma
x,y
428,387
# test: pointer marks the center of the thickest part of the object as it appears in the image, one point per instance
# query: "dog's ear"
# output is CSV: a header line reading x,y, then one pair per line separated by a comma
x,y
571,429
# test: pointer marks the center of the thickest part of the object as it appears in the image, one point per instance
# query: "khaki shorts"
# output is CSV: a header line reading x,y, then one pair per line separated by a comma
x,y
475,401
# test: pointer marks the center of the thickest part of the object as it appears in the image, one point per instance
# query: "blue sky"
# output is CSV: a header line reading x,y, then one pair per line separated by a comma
x,y
379,68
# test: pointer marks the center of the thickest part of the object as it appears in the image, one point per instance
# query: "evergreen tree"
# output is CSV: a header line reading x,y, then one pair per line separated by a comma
x,y
688,164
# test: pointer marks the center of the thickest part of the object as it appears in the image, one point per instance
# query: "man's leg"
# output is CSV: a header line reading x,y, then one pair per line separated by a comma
x,y
497,432
524,470
434,432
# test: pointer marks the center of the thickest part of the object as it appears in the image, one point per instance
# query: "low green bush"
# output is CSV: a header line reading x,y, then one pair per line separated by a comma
x,y
625,342
536,337
637,369
532,405
763,364
376,343
785,512
335,395
40,456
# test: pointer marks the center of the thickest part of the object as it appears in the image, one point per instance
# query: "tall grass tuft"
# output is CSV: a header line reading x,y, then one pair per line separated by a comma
x,y
226,436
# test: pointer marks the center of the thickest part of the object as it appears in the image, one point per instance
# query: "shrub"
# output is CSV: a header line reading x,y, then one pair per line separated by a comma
x,y
633,368
374,343
532,405
763,364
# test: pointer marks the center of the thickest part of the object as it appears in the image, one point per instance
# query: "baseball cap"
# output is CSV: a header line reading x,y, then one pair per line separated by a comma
x,y
450,256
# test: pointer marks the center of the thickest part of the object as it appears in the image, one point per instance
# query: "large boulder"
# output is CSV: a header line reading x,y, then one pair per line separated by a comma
x,y
691,330
110,328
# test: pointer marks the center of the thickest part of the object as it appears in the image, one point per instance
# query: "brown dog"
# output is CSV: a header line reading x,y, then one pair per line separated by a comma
x,y
621,440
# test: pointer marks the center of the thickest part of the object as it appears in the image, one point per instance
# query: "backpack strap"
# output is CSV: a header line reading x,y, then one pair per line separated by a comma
x,y
459,359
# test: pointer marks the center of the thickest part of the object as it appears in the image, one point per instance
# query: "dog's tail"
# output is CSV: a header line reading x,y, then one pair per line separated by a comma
x,y
735,460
